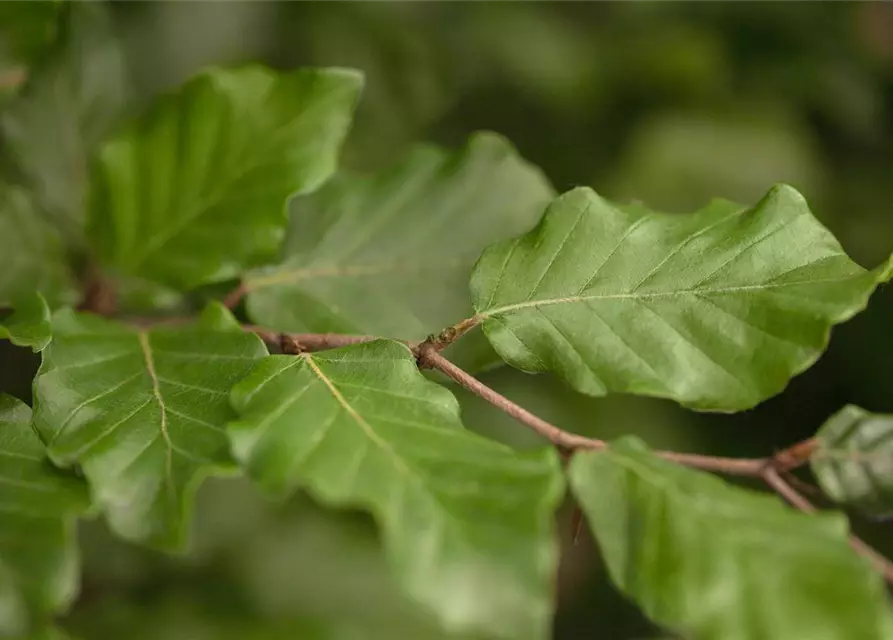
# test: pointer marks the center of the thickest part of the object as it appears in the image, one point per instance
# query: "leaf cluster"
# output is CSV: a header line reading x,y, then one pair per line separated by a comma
x,y
304,374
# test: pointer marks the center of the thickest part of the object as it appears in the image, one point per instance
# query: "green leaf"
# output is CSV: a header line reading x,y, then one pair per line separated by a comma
x,y
38,554
69,104
710,560
466,522
32,257
196,190
390,254
717,309
142,412
854,459
29,325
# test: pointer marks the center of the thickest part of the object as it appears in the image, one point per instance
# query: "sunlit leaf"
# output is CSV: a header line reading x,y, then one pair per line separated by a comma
x,y
713,561
29,323
196,190
70,102
717,309
38,503
142,412
854,459
465,521
390,255
32,257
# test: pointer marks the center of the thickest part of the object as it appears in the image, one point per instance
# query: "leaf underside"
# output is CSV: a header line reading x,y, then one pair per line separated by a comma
x,y
142,412
717,562
390,254
196,191
854,460
466,522
717,309
38,503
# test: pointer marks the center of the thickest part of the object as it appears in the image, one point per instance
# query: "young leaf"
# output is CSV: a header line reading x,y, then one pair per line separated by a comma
x,y
466,522
38,555
142,412
714,561
70,102
29,325
854,459
717,310
196,190
31,254
390,254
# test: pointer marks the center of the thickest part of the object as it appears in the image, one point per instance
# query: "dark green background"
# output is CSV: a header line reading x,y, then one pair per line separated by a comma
x,y
668,103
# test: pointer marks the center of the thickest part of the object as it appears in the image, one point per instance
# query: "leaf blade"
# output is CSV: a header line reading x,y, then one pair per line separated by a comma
x,y
123,404
71,101
230,141
360,257
625,300
32,257
29,325
716,561
465,521
38,554
854,459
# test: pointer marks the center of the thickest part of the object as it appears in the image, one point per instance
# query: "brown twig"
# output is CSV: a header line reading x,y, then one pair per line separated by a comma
x,y
429,357
232,299
772,477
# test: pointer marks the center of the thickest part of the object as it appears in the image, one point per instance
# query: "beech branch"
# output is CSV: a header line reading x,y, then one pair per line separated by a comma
x,y
772,477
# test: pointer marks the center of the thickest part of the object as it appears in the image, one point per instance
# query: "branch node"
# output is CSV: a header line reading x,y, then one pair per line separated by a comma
x,y
290,345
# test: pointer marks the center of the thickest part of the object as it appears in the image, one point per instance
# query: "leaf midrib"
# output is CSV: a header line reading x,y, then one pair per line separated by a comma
x,y
527,304
156,392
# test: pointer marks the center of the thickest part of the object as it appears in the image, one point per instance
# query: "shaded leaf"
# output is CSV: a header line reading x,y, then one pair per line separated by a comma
x,y
196,190
38,554
32,257
715,561
390,254
29,324
717,309
466,522
854,459
142,412
70,102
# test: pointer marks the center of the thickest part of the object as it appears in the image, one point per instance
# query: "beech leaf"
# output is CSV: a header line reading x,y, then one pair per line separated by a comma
x,y
466,522
38,554
32,257
365,254
196,190
29,324
854,459
69,104
142,412
717,309
717,562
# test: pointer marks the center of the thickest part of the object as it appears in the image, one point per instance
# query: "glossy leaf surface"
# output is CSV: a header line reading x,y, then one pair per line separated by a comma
x,y
716,562
142,412
466,522
717,309
196,190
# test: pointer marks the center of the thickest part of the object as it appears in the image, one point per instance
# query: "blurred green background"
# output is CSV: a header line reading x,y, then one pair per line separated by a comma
x,y
668,103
